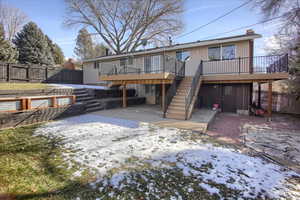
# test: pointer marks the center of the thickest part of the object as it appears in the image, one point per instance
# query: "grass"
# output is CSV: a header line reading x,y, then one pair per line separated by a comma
x,y
32,167
23,86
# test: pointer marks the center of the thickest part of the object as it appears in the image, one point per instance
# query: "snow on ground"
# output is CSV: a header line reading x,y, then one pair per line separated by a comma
x,y
114,147
78,86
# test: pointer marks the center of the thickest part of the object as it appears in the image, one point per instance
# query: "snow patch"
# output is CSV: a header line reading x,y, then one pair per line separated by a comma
x,y
105,143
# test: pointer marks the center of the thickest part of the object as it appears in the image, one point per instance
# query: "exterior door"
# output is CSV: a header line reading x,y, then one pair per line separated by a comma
x,y
229,99
152,64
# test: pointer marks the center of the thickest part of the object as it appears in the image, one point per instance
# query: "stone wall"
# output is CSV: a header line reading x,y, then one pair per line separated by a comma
x,y
112,93
14,119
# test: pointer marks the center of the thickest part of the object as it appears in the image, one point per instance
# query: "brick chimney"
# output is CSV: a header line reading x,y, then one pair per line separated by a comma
x,y
250,32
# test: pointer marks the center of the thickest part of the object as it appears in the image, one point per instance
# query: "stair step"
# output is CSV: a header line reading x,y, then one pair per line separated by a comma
x,y
176,108
179,97
176,112
90,105
181,93
80,90
81,95
84,98
93,109
178,101
175,116
173,103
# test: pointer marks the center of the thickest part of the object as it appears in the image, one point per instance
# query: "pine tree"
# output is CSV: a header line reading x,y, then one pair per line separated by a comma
x,y
84,45
56,52
7,52
58,55
33,46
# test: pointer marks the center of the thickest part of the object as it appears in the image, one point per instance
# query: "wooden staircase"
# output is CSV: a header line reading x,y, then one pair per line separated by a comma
x,y
177,107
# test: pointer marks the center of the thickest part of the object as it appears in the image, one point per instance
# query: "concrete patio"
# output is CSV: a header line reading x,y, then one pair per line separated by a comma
x,y
153,114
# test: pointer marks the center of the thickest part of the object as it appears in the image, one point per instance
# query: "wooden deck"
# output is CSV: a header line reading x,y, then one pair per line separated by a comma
x,y
167,78
244,78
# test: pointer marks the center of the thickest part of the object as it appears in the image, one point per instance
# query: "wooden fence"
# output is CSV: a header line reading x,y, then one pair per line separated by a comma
x,y
36,73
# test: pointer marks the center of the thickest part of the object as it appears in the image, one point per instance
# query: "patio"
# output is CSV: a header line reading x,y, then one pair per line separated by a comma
x,y
153,114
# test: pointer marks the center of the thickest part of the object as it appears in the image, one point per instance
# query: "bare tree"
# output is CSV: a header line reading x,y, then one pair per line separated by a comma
x,y
125,24
13,19
289,10
288,35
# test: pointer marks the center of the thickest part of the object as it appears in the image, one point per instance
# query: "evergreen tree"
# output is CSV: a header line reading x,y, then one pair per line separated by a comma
x,y
56,52
33,46
84,45
58,55
7,52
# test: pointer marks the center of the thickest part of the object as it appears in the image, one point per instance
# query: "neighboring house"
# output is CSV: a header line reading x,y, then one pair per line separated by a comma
x,y
69,64
202,73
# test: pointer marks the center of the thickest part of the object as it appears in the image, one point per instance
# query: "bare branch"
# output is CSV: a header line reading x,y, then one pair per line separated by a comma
x,y
122,24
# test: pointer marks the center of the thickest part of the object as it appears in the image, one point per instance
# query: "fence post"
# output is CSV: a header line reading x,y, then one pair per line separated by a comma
x,y
287,62
27,73
46,74
164,63
239,65
8,73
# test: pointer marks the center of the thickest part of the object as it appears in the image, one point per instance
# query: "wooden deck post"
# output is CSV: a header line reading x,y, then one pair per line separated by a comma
x,y
163,89
124,96
270,100
259,95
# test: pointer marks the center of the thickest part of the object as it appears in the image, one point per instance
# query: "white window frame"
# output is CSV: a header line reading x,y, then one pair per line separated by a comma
x,y
221,51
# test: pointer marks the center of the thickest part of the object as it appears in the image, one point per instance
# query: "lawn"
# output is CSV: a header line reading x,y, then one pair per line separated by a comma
x,y
96,157
31,167
23,86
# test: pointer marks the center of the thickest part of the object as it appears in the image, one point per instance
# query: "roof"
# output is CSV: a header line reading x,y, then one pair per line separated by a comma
x,y
179,46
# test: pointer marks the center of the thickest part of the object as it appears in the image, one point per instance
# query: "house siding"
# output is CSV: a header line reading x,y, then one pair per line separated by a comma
x,y
238,101
197,54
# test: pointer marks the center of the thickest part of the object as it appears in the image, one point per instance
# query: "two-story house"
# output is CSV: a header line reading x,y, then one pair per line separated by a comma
x,y
218,72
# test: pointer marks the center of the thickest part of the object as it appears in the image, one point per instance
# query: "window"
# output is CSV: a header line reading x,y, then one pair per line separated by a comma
x,y
96,65
221,52
214,53
152,64
228,52
130,60
123,62
182,55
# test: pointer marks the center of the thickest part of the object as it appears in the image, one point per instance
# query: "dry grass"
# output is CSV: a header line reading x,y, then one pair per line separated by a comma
x,y
32,167
23,86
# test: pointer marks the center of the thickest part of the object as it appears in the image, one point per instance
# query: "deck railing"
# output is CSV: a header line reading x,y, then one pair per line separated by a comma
x,y
173,88
191,92
257,64
166,64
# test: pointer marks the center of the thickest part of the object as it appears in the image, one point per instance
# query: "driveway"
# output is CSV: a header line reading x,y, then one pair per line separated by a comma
x,y
137,160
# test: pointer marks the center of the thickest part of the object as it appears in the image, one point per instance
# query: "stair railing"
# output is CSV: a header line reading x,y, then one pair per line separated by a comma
x,y
173,88
191,93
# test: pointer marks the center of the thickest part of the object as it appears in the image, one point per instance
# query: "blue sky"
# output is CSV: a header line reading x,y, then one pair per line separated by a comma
x,y
49,16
